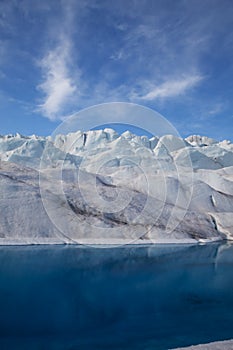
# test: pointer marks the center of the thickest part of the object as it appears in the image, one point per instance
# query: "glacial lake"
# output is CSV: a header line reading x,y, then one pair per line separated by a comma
x,y
152,297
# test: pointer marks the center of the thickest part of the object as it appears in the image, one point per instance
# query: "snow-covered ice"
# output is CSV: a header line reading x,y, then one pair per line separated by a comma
x,y
221,345
99,187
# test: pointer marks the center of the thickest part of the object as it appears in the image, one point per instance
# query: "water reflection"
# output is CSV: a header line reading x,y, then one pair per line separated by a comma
x,y
146,297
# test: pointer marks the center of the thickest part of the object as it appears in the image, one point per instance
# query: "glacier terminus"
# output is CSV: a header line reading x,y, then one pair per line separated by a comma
x,y
101,187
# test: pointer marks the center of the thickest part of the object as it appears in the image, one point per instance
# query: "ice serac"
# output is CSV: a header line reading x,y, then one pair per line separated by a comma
x,y
101,187
197,140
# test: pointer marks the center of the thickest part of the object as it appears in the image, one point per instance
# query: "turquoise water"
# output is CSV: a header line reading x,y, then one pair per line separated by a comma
x,y
146,297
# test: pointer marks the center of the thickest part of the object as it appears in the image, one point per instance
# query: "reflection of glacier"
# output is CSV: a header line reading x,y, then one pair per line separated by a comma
x,y
101,187
146,297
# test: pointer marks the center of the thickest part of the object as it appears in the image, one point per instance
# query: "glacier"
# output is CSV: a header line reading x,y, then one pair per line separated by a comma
x,y
101,187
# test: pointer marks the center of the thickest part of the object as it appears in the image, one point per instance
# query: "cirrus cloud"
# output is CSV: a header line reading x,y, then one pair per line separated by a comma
x,y
58,86
173,88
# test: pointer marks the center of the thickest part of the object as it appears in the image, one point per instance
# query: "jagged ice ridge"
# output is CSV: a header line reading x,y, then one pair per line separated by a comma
x,y
100,187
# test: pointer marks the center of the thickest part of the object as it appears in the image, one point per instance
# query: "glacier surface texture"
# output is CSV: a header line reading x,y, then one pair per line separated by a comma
x,y
99,187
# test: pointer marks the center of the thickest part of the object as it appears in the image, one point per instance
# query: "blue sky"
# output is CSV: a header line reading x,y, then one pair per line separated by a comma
x,y
60,56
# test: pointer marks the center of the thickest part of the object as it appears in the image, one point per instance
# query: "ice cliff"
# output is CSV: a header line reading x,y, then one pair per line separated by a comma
x,y
102,187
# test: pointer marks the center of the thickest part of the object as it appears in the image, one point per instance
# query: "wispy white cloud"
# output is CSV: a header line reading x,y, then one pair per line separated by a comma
x,y
119,55
147,55
216,109
159,50
59,85
172,88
